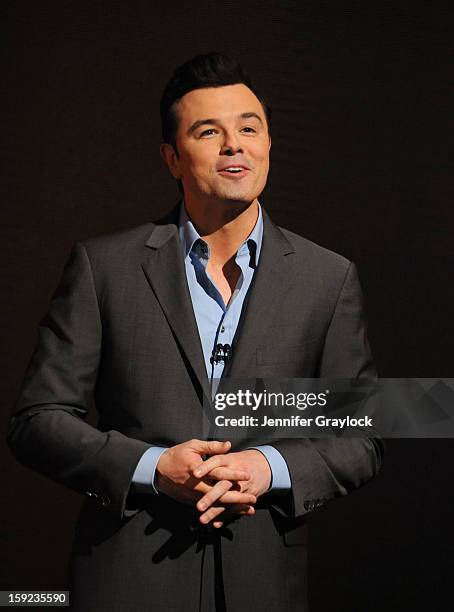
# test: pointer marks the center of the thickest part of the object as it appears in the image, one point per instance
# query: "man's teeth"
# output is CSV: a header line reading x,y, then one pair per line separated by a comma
x,y
234,169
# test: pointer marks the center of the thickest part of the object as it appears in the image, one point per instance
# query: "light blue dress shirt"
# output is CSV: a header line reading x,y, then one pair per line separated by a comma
x,y
216,323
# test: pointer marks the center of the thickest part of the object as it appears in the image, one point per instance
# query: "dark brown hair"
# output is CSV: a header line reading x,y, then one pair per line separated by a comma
x,y
202,71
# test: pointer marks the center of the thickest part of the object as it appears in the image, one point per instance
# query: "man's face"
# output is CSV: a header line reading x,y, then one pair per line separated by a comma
x,y
223,145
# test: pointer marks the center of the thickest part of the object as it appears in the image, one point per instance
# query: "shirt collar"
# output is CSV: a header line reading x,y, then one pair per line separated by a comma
x,y
189,235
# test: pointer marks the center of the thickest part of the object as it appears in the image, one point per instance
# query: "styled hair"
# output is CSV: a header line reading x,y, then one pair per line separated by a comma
x,y
202,71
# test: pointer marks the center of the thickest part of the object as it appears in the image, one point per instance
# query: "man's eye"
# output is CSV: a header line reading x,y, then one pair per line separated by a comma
x,y
248,130
208,132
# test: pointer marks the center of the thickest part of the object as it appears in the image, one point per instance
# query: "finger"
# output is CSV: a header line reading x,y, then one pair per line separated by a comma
x,y
230,513
213,495
210,464
211,447
237,497
234,494
211,514
227,473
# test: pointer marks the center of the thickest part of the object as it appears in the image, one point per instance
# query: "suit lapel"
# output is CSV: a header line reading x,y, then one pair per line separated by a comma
x,y
164,269
273,276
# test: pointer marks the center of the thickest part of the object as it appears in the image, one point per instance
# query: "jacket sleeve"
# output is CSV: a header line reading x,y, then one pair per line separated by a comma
x,y
48,431
321,469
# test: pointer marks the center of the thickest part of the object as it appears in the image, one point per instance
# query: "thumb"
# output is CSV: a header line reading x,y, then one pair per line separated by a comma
x,y
212,447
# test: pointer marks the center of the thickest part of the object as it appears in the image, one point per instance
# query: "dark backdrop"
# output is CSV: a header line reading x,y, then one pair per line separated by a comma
x,y
359,164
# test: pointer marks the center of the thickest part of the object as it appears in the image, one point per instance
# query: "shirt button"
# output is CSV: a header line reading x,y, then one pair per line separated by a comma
x,y
222,329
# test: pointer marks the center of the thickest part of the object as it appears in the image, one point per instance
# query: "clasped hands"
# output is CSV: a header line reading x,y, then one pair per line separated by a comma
x,y
220,487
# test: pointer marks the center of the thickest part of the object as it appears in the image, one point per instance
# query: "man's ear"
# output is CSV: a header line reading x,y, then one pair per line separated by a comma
x,y
170,157
269,146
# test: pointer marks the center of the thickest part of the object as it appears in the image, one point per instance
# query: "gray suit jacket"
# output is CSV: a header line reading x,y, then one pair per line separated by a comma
x,y
121,327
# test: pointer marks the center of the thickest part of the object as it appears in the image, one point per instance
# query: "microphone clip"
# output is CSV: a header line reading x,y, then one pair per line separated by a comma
x,y
221,353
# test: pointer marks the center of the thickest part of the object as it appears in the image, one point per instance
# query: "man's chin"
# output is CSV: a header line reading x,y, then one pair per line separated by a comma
x,y
240,200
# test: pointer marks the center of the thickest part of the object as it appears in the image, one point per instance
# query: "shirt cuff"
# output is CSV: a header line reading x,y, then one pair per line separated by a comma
x,y
143,477
280,476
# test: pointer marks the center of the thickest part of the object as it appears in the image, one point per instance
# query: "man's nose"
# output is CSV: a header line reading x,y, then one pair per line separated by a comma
x,y
231,144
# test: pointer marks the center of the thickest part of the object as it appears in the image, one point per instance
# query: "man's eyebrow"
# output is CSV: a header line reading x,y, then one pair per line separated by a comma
x,y
213,121
250,116
200,122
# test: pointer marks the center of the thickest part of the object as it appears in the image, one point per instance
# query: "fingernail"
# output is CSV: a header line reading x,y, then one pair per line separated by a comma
x,y
202,506
197,472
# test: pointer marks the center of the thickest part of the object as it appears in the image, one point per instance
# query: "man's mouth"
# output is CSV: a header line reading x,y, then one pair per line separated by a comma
x,y
238,171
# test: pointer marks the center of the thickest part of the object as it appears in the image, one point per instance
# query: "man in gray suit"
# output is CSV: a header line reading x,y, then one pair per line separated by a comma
x,y
145,320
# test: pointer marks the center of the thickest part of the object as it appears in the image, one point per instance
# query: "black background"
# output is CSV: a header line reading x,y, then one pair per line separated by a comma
x,y
362,117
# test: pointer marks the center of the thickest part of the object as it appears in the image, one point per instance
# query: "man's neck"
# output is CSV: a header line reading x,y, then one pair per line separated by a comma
x,y
224,229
